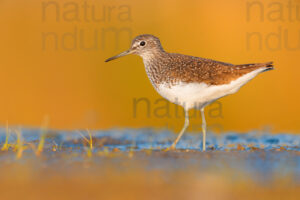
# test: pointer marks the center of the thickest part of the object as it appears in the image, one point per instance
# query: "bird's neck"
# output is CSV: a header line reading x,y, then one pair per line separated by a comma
x,y
154,54
154,65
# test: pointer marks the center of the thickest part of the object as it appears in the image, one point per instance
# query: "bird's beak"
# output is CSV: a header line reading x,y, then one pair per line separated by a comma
x,y
119,55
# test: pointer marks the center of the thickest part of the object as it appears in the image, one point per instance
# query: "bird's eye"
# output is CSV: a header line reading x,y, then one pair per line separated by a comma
x,y
142,43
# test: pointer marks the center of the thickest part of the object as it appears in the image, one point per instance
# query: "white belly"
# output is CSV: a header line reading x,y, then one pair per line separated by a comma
x,y
198,95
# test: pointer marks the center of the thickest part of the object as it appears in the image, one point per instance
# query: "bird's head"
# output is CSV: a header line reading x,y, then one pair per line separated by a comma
x,y
142,45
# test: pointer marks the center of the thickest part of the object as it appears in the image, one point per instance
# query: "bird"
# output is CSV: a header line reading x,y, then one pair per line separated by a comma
x,y
189,81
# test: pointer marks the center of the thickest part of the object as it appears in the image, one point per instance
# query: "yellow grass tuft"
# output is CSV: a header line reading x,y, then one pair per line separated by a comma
x,y
91,139
6,146
89,150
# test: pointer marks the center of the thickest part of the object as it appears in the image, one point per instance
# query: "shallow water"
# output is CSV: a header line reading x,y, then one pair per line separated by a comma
x,y
264,159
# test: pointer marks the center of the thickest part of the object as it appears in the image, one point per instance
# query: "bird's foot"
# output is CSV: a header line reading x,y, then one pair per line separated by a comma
x,y
171,148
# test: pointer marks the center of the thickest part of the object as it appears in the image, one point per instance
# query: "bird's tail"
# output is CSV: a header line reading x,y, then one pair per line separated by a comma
x,y
267,66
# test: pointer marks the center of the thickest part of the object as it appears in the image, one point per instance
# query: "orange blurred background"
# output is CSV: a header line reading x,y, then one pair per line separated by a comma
x,y
53,52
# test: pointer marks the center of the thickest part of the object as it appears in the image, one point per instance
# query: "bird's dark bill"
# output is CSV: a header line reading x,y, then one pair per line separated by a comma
x,y
118,56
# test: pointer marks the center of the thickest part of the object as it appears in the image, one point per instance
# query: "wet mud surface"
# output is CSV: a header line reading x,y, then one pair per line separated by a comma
x,y
132,164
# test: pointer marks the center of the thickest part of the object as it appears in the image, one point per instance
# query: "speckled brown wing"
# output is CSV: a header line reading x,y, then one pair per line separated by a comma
x,y
194,69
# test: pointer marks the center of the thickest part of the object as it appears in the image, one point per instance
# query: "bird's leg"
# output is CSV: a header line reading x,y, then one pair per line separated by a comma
x,y
203,129
186,124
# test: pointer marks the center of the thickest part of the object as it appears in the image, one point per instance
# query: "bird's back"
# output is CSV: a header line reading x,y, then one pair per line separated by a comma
x,y
172,68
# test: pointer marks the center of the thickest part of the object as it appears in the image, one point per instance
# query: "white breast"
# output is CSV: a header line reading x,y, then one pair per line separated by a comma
x,y
198,95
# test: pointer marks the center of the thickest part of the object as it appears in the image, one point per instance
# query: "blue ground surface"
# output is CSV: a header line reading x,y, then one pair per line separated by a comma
x,y
260,156
150,139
